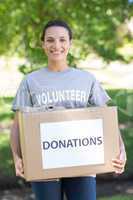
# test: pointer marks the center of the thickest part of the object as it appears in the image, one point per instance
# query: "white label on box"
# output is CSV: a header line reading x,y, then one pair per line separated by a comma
x,y
72,143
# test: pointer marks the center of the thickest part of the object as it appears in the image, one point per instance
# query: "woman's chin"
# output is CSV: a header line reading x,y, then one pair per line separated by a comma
x,y
55,59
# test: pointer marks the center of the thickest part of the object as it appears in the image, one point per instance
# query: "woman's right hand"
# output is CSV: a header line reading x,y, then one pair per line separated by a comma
x,y
19,167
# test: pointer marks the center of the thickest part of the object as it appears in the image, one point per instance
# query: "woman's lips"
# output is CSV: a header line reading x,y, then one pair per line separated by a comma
x,y
56,53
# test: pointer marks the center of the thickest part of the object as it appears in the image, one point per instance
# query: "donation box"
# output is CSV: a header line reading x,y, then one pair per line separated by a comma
x,y
69,142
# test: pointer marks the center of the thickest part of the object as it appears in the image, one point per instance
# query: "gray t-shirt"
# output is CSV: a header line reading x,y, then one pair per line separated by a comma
x,y
71,88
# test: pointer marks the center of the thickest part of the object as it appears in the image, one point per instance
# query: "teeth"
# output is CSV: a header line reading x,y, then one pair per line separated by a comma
x,y
56,52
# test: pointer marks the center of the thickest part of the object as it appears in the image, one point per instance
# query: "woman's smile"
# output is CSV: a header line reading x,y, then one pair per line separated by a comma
x,y
56,43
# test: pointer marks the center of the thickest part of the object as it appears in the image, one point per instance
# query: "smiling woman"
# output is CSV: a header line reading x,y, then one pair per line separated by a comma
x,y
56,42
59,85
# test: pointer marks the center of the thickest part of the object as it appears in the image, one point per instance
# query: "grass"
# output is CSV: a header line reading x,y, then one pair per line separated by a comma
x,y
117,197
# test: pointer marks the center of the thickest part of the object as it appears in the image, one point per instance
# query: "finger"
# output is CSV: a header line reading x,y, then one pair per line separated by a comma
x,y
118,166
19,170
18,173
20,166
117,161
119,171
22,175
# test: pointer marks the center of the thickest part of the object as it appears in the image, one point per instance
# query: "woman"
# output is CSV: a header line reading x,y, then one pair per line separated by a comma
x,y
60,85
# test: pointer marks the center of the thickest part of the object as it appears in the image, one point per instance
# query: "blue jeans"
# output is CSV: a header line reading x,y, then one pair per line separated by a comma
x,y
76,188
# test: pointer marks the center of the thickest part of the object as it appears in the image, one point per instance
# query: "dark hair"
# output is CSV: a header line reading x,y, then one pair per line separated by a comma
x,y
56,23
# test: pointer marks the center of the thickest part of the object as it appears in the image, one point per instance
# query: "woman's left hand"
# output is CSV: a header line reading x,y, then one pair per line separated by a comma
x,y
119,163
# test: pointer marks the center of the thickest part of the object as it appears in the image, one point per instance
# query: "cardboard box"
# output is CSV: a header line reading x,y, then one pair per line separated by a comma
x,y
68,143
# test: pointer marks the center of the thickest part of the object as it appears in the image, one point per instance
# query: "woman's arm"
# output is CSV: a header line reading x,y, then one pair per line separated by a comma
x,y
15,146
120,162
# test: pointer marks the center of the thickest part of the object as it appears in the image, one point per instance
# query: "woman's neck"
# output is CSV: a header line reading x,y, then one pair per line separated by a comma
x,y
57,66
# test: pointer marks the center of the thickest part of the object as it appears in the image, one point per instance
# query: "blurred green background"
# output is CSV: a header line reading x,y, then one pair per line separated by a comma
x,y
102,44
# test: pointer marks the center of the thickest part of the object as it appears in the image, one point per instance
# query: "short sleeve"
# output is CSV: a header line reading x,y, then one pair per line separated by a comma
x,y
98,96
23,97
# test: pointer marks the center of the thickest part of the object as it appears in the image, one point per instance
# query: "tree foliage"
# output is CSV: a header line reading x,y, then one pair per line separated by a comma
x,y
95,25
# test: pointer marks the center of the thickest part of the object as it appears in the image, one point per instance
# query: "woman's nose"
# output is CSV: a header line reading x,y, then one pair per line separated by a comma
x,y
56,44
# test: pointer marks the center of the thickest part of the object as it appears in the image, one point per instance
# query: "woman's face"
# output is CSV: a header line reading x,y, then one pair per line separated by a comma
x,y
56,43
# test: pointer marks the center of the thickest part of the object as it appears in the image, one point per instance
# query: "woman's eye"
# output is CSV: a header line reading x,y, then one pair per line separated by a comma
x,y
49,40
62,40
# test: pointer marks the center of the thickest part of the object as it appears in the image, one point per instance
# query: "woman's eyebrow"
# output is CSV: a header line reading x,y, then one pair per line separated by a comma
x,y
50,37
62,36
